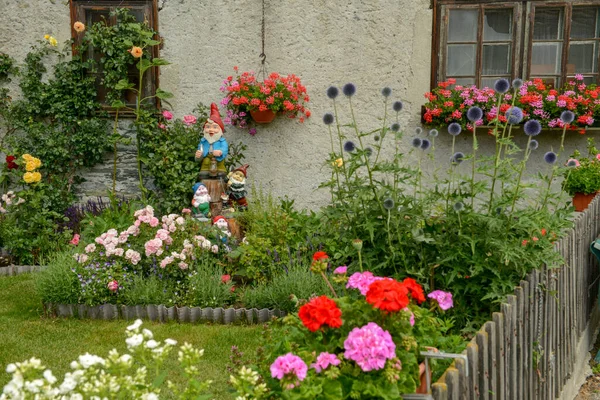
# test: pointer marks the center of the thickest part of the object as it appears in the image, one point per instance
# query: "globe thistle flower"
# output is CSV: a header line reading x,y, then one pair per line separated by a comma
x,y
499,210
457,158
550,157
417,142
388,204
376,138
514,115
368,151
458,206
532,127
517,83
435,133
397,106
474,114
395,127
454,128
349,146
349,89
533,144
501,85
567,116
386,91
425,144
328,118
332,92
418,130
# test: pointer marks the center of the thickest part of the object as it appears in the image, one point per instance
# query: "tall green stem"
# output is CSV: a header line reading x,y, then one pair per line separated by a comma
x,y
383,130
451,172
473,166
137,136
114,182
523,163
551,178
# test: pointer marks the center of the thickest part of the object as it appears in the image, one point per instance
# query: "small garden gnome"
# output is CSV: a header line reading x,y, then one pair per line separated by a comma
x,y
213,147
201,202
236,186
220,222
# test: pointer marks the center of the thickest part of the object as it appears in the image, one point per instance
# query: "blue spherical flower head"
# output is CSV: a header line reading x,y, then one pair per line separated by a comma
x,y
550,157
501,85
397,106
349,89
418,130
386,91
395,127
457,158
434,132
376,138
474,114
328,118
514,115
425,144
368,151
454,128
517,83
332,92
349,146
417,142
388,204
532,127
533,144
458,206
567,116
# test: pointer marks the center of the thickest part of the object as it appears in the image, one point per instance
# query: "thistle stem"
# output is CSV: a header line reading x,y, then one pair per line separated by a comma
x,y
473,166
523,163
551,178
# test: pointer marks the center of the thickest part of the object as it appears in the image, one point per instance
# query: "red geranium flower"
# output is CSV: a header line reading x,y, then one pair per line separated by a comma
x,y
416,291
10,162
320,256
320,311
388,295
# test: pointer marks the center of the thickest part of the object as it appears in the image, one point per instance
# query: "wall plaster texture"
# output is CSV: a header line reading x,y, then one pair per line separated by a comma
x,y
371,43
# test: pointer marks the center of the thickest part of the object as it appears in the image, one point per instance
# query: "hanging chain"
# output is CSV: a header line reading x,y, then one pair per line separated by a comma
x,y
262,55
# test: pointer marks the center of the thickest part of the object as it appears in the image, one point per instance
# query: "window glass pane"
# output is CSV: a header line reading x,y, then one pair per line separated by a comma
x,y
497,24
545,58
461,60
93,16
489,82
582,58
548,24
583,23
462,26
496,59
465,81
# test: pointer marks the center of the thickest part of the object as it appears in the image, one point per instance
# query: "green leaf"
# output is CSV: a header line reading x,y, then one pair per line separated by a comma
x,y
152,42
159,61
161,94
123,84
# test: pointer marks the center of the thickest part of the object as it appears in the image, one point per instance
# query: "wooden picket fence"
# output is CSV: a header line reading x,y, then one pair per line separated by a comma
x,y
528,350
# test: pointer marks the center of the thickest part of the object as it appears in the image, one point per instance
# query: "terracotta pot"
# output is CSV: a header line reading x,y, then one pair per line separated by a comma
x,y
262,117
423,389
582,201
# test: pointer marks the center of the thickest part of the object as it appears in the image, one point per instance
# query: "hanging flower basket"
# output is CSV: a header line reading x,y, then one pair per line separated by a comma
x,y
263,117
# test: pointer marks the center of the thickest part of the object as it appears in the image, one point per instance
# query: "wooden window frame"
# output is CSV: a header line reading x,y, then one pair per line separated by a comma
x,y
78,9
523,24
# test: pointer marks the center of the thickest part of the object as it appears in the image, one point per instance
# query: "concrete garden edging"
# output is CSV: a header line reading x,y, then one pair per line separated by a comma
x,y
12,270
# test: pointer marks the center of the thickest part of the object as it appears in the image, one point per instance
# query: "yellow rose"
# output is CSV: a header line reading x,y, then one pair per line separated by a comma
x,y
30,165
27,157
37,176
36,162
53,42
32,177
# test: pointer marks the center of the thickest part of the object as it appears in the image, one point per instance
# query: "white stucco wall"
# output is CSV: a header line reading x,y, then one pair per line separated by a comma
x,y
371,43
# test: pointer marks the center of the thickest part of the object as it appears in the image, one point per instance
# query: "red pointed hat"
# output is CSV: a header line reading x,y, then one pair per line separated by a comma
x,y
217,218
215,116
243,170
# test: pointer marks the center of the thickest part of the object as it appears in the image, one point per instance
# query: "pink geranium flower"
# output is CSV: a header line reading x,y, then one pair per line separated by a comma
x,y
369,346
289,364
444,299
362,281
341,270
324,360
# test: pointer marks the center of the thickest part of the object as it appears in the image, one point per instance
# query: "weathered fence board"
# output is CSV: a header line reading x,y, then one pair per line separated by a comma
x,y
528,349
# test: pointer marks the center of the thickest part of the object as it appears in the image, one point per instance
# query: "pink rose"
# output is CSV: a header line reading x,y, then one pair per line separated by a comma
x,y
75,240
113,286
225,278
189,120
186,211
162,126
167,114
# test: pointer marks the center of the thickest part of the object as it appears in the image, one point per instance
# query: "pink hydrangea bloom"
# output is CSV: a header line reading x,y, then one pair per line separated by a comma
x,y
289,364
341,270
189,120
362,281
369,346
444,299
324,360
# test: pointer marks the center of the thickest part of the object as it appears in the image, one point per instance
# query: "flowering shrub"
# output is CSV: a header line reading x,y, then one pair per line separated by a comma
x,y
244,94
361,345
447,103
583,173
138,374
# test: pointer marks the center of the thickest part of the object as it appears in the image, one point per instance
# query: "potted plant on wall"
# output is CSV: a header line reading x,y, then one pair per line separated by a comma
x,y
582,177
249,98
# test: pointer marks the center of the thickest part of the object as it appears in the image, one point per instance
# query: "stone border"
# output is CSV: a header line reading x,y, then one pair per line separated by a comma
x,y
161,313
12,270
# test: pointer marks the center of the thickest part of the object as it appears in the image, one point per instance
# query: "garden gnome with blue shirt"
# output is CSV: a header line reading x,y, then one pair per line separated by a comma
x,y
213,147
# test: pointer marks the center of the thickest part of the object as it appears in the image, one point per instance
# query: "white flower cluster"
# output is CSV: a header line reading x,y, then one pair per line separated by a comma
x,y
247,386
116,376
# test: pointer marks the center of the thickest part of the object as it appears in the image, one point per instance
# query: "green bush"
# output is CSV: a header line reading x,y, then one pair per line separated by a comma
x,y
57,283
207,288
148,290
585,176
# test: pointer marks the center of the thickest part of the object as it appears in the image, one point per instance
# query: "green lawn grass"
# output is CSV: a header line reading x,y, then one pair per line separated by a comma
x,y
25,332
